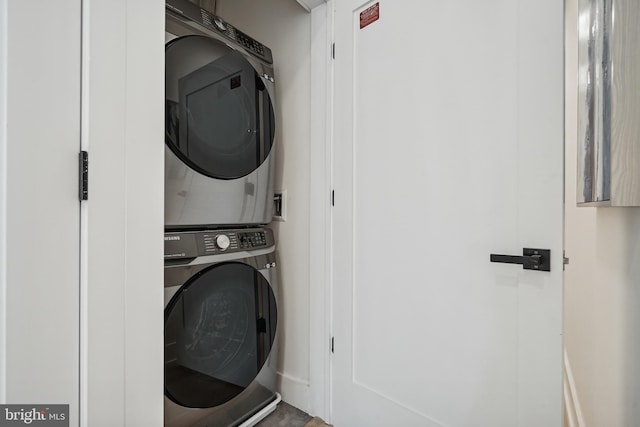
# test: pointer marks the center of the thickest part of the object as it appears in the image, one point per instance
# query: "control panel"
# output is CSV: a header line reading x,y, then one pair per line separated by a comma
x,y
217,25
193,244
252,239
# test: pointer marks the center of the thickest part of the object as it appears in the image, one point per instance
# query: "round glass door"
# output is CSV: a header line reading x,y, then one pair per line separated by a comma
x,y
219,330
219,118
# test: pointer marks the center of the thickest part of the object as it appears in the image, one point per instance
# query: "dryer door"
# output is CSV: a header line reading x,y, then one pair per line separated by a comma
x,y
219,330
219,118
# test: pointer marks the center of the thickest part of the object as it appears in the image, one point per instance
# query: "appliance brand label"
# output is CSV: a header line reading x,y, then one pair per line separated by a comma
x,y
370,15
180,255
34,415
168,238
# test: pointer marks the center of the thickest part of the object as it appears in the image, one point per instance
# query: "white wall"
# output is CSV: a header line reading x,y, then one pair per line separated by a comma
x,y
602,286
284,26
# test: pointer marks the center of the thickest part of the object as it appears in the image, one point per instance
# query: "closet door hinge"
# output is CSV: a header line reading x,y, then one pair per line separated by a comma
x,y
333,51
332,345
83,178
333,198
565,260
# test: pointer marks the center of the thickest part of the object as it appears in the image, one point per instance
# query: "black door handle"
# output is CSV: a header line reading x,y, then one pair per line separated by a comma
x,y
531,259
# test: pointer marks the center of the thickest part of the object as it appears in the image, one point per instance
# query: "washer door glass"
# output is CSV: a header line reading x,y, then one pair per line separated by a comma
x,y
219,330
219,119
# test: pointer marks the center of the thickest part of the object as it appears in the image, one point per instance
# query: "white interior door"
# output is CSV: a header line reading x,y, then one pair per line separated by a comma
x,y
448,147
39,206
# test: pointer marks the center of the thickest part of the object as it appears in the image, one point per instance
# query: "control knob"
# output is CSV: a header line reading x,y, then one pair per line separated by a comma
x,y
219,23
223,242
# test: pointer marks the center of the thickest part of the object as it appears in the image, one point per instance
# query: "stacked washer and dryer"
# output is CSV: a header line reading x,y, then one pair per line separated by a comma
x,y
220,279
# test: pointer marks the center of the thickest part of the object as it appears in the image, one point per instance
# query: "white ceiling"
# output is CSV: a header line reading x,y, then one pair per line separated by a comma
x,y
310,4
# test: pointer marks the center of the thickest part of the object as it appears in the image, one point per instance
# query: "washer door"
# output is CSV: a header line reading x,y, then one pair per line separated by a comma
x,y
219,118
219,330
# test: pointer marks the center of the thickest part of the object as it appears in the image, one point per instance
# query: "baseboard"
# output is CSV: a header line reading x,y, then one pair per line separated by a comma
x,y
569,408
573,410
294,391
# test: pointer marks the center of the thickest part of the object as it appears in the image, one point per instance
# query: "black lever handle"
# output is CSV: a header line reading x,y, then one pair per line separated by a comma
x,y
531,259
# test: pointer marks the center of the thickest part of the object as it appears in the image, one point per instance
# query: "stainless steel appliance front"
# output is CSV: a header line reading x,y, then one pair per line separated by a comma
x,y
220,326
219,123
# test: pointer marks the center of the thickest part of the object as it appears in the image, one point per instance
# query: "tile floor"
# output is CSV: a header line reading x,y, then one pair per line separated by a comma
x,y
286,416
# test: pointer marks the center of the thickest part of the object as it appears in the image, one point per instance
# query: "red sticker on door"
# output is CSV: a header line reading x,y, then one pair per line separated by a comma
x,y
369,15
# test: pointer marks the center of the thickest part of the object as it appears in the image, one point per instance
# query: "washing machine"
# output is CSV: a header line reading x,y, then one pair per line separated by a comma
x,y
220,327
220,127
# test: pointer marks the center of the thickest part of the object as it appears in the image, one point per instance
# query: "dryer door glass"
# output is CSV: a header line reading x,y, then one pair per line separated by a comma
x,y
219,119
219,330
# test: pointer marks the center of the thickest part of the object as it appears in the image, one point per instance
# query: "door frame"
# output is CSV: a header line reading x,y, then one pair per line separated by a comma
x,y
3,198
320,216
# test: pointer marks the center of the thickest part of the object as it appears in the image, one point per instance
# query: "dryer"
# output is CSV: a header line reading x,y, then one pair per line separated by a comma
x,y
220,127
220,327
